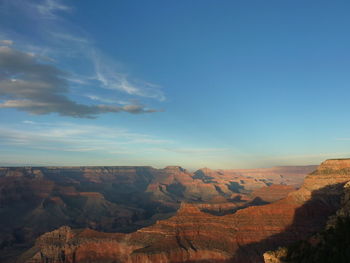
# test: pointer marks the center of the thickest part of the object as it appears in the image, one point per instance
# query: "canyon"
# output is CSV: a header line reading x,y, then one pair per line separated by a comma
x,y
143,214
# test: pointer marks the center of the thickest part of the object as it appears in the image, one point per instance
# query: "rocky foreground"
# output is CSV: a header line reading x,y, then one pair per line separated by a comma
x,y
192,235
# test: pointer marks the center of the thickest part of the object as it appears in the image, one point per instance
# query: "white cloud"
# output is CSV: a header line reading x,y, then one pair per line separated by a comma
x,y
106,140
186,150
64,43
107,74
6,42
70,38
48,8
77,138
105,99
28,122
38,88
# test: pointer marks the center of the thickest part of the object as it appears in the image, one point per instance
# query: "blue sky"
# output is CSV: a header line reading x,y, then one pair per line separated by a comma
x,y
222,84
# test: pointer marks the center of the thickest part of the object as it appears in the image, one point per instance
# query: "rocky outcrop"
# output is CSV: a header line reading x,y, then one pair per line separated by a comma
x,y
275,256
334,165
67,245
332,243
192,235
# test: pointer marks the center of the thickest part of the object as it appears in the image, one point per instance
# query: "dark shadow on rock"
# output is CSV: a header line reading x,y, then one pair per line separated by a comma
x,y
310,218
257,201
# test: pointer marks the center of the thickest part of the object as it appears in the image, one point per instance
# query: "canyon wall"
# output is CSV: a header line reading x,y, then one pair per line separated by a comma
x,y
332,243
192,235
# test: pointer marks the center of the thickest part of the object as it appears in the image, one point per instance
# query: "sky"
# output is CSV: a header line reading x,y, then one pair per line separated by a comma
x,y
198,83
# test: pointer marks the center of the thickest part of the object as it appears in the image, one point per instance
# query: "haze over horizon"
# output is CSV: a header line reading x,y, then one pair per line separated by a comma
x,y
229,84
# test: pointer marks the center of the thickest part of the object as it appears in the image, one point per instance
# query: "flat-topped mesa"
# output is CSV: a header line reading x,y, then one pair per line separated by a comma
x,y
334,165
331,173
175,168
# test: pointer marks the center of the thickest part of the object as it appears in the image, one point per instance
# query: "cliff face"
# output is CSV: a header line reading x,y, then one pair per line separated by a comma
x,y
286,175
194,236
189,235
272,193
332,243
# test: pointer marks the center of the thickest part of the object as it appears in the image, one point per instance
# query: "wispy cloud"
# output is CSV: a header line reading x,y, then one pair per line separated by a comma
x,y
49,8
105,99
70,38
6,42
63,44
187,150
38,88
107,140
77,138
28,122
110,78
300,159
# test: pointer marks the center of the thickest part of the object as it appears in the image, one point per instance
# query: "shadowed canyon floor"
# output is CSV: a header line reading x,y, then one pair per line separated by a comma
x,y
35,200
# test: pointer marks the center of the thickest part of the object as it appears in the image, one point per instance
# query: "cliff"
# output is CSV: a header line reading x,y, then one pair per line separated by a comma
x,y
332,243
195,236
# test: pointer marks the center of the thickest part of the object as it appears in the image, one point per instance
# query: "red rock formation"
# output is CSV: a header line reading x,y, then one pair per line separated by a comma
x,y
329,245
272,193
288,175
35,200
195,236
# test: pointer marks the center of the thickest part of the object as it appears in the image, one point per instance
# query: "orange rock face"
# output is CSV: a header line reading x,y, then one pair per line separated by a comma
x,y
272,193
195,236
287,175
335,164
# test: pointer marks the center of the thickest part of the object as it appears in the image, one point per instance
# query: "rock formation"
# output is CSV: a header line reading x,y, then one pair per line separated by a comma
x,y
192,235
35,200
332,243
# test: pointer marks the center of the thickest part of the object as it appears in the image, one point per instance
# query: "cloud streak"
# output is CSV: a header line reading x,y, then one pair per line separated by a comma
x,y
110,78
6,42
29,85
31,78
49,7
70,137
75,138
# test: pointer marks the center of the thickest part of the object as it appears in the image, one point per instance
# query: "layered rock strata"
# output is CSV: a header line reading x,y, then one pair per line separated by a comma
x,y
194,236
332,243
